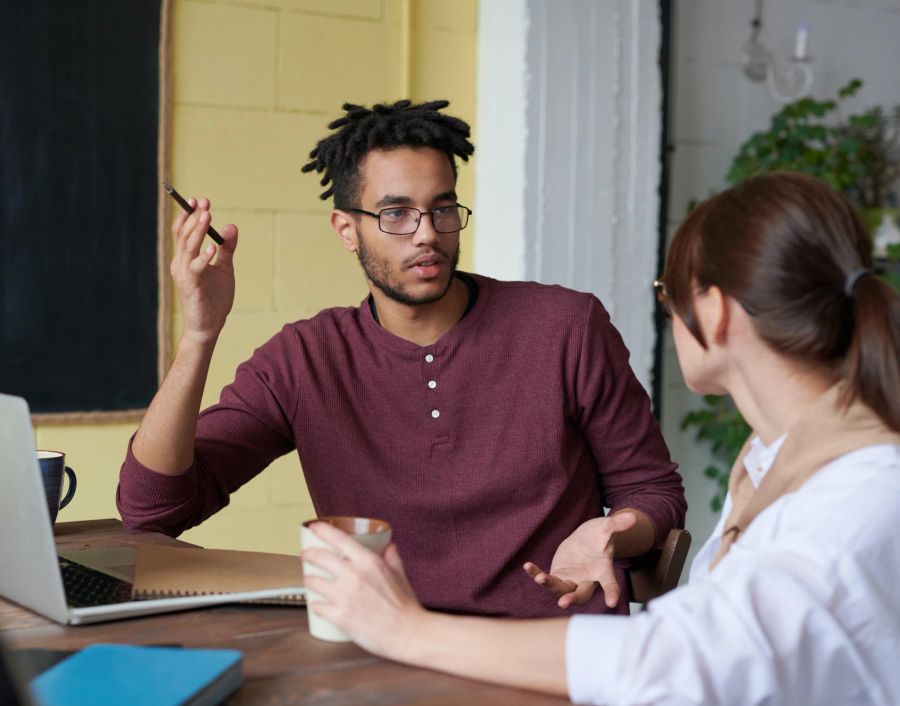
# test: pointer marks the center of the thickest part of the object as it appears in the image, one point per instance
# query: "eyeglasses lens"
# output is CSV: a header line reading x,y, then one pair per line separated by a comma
x,y
399,221
662,298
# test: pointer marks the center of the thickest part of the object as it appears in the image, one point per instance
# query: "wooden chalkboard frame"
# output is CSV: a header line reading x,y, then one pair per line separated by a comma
x,y
164,211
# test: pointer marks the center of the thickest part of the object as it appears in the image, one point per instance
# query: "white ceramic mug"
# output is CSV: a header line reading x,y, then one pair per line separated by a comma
x,y
374,534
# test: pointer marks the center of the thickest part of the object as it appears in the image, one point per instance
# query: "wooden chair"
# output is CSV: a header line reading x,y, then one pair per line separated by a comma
x,y
657,572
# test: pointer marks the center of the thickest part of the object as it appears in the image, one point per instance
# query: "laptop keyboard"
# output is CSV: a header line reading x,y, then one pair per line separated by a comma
x,y
86,587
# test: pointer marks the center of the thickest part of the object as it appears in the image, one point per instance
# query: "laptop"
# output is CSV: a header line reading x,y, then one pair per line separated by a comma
x,y
76,586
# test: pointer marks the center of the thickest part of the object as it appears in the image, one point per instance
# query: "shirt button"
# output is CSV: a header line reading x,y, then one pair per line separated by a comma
x,y
432,384
435,414
429,358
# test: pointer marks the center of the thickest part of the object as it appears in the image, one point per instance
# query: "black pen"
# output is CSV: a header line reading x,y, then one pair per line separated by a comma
x,y
211,232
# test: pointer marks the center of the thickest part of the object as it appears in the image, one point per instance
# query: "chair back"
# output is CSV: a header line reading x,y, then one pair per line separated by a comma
x,y
659,571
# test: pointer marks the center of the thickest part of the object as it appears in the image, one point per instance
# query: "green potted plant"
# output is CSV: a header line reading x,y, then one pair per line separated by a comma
x,y
858,155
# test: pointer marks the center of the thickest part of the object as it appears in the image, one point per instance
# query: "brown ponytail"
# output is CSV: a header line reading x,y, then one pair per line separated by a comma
x,y
872,364
783,246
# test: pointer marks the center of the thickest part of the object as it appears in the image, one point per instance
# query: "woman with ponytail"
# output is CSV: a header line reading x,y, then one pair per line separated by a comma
x,y
794,597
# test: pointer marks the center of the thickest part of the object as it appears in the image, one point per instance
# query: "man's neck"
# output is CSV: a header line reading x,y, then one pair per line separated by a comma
x,y
422,324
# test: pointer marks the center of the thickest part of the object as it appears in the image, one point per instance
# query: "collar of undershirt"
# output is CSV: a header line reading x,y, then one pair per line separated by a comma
x,y
471,286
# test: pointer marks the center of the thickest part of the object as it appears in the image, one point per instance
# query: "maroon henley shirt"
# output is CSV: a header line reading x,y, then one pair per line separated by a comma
x,y
483,450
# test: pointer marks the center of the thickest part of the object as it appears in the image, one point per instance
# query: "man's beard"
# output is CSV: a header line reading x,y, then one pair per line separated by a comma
x,y
378,273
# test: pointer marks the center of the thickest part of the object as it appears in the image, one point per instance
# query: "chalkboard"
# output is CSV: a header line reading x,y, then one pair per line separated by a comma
x,y
79,190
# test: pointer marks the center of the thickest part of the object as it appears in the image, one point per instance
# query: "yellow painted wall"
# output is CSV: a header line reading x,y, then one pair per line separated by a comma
x,y
255,83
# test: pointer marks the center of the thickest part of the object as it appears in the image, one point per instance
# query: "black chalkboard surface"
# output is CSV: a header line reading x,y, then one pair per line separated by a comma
x,y
79,183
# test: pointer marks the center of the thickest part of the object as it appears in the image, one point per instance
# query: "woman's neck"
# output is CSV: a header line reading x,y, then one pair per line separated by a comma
x,y
772,392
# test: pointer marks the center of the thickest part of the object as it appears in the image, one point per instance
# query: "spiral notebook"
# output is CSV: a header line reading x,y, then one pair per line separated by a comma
x,y
164,571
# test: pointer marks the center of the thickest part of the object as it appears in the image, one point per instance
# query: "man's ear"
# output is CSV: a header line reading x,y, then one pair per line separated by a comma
x,y
344,225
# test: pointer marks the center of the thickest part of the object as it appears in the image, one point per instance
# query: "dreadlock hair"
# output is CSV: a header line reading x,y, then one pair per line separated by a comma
x,y
384,126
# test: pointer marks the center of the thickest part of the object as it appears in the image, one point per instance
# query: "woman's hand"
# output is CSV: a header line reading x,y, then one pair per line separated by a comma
x,y
371,600
370,597
584,560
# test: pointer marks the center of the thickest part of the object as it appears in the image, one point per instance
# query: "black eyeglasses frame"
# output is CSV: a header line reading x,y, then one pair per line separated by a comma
x,y
377,216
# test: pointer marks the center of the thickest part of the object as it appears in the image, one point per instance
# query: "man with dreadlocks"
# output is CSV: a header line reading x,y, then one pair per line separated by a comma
x,y
489,422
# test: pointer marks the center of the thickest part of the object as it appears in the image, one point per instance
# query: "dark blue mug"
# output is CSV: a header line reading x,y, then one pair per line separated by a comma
x,y
53,465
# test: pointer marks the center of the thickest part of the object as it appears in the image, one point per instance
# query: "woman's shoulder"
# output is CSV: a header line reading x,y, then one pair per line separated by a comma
x,y
850,503
862,475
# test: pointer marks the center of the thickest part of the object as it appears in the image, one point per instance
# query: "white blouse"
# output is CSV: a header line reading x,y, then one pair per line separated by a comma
x,y
804,608
757,462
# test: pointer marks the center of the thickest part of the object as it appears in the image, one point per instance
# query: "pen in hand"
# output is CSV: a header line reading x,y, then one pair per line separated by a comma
x,y
210,231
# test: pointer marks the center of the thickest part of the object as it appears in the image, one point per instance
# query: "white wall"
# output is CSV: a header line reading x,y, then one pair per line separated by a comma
x,y
568,138
715,108
569,123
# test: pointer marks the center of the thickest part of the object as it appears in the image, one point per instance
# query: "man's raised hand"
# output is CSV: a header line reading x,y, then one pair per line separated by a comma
x,y
205,287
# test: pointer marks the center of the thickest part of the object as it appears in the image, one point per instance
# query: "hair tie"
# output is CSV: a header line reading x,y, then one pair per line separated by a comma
x,y
850,282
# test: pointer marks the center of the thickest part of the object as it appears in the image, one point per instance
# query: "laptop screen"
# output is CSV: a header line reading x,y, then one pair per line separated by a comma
x,y
30,570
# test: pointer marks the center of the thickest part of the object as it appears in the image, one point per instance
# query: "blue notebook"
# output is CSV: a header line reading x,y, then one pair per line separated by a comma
x,y
140,676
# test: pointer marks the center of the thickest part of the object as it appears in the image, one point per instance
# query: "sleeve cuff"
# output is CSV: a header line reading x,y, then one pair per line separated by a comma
x,y
145,498
152,482
656,512
593,649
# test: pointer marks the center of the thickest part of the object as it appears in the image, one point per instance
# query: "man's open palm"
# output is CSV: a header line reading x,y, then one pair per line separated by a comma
x,y
583,561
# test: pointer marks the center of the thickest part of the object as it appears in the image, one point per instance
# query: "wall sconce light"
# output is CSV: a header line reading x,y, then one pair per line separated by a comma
x,y
759,64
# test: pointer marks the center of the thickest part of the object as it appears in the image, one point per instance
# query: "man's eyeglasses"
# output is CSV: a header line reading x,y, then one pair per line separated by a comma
x,y
404,220
662,297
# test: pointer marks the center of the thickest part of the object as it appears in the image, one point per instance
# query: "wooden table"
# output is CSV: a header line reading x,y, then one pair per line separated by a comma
x,y
283,664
